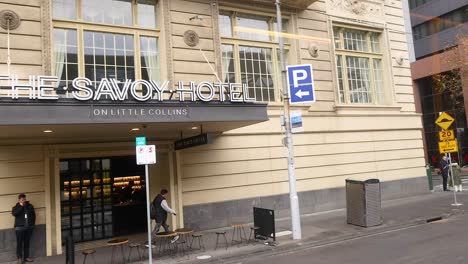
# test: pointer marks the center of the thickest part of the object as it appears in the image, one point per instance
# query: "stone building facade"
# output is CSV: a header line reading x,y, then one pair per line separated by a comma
x,y
68,155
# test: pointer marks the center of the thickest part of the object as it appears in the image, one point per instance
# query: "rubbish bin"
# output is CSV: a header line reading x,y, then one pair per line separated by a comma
x,y
363,202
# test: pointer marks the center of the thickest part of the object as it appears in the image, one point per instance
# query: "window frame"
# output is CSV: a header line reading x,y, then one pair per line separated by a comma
x,y
136,31
237,42
368,54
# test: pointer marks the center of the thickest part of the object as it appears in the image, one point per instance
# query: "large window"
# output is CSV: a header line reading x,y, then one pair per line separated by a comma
x,y
359,66
65,56
416,3
115,39
110,55
449,20
250,53
443,93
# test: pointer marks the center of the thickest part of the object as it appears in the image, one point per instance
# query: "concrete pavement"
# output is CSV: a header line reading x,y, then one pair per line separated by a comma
x,y
318,229
330,228
433,243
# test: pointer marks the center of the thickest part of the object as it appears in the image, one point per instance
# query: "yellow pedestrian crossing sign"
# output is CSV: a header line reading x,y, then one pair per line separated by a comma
x,y
448,146
445,120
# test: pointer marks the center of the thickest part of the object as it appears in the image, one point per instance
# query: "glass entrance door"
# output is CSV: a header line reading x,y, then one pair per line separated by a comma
x,y
86,199
102,197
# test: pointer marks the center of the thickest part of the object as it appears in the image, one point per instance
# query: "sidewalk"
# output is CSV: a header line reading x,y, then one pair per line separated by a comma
x,y
317,229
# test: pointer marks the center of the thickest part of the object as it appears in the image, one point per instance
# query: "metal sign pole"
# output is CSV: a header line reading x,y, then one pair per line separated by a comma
x,y
448,146
148,201
453,182
294,200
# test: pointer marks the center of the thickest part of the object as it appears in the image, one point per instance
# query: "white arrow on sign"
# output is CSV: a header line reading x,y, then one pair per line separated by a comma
x,y
301,93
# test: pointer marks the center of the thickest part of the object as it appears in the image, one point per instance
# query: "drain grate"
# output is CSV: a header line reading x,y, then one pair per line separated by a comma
x,y
434,219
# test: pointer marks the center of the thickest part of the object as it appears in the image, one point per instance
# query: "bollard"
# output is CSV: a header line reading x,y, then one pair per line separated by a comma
x,y
429,177
69,250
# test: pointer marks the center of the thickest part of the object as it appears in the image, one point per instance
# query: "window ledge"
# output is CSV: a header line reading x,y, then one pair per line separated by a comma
x,y
299,4
348,107
276,105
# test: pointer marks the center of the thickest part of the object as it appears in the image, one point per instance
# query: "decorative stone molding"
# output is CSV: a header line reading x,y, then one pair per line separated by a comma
x,y
217,39
191,38
399,60
313,50
356,8
46,22
167,36
9,20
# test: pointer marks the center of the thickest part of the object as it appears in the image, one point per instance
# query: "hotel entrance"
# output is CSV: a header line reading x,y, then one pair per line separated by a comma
x,y
84,167
102,197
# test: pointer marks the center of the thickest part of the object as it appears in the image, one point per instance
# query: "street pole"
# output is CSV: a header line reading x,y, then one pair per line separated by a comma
x,y
148,216
453,182
459,146
294,200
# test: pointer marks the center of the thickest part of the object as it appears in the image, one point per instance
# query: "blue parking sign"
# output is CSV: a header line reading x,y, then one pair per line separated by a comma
x,y
301,84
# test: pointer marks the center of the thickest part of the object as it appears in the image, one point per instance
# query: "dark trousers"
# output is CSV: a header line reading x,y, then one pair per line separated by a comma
x,y
160,222
444,180
163,224
23,238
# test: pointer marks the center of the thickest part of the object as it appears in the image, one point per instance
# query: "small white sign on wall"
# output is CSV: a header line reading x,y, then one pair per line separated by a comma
x,y
146,154
296,122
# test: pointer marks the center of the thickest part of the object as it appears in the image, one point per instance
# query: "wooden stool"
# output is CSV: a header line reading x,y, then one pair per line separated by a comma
x,y
146,248
184,234
165,243
201,244
134,246
115,244
88,252
253,229
223,233
180,245
238,234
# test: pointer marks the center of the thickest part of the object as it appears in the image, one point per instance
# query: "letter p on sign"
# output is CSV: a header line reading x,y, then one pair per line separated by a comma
x,y
301,84
299,75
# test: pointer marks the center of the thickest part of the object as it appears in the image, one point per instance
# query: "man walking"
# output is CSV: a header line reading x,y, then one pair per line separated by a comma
x,y
162,208
25,218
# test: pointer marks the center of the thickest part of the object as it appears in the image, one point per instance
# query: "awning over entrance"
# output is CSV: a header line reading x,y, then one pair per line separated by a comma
x,y
72,122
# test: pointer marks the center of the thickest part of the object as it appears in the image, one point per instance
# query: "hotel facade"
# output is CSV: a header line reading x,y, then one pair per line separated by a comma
x,y
82,78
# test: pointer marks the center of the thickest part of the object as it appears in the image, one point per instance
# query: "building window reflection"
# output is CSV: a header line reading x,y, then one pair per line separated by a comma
x,y
250,52
64,9
105,49
114,12
360,71
65,56
149,58
146,13
434,101
449,20
109,55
